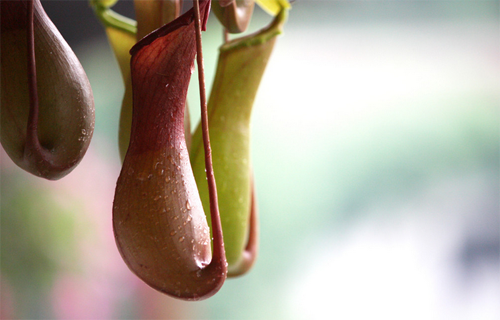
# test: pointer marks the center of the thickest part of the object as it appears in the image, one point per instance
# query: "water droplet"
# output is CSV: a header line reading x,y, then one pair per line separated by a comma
x,y
173,233
156,198
181,239
188,218
188,205
141,176
84,132
167,178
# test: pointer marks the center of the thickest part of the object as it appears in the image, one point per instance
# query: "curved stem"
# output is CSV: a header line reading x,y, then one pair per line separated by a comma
x,y
34,151
31,135
219,251
40,149
114,20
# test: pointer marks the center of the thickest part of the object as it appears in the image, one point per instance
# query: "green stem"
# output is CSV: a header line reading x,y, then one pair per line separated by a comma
x,y
114,20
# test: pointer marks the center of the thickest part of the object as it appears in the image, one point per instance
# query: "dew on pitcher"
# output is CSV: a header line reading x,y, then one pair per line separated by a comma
x,y
142,176
169,157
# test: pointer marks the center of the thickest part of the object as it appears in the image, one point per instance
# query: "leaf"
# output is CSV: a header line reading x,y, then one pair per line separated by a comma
x,y
121,42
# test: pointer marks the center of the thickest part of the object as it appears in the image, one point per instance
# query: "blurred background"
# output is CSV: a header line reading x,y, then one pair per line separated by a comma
x,y
376,155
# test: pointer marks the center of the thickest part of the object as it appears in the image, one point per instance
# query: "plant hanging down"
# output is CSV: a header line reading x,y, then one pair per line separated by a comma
x,y
47,106
159,217
240,69
166,188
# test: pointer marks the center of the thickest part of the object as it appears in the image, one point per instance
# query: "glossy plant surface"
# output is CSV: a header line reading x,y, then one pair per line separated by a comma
x,y
47,113
159,223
